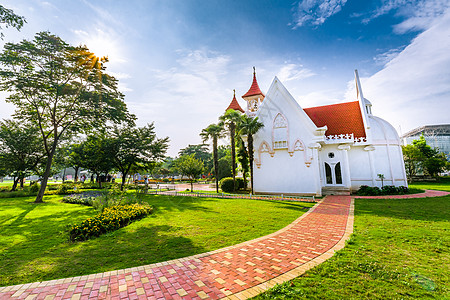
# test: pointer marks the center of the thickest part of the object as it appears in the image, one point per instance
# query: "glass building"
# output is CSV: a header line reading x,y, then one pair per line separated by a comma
x,y
437,136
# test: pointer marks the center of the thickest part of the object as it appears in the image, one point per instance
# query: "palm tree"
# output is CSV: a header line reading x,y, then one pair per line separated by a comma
x,y
213,132
249,126
231,119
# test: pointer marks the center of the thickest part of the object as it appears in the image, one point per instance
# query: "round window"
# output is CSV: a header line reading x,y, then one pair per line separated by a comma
x,y
331,155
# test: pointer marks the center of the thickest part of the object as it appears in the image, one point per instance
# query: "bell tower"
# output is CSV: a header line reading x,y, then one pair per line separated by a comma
x,y
254,97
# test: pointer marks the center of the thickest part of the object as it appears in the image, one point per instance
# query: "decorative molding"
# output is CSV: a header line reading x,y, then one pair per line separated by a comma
x,y
263,147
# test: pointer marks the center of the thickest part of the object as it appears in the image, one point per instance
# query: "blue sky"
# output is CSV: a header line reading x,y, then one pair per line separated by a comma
x,y
179,61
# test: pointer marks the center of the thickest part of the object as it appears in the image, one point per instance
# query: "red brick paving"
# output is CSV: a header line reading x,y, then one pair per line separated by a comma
x,y
236,272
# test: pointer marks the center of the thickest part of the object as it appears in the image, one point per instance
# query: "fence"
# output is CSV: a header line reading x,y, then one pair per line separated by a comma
x,y
281,197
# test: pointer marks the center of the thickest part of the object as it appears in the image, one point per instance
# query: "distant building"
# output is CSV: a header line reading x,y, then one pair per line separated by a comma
x,y
437,136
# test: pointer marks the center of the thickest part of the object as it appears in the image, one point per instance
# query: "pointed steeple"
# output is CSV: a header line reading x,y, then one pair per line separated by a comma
x,y
254,96
254,89
234,104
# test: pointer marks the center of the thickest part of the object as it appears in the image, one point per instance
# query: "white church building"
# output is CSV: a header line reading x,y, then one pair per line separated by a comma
x,y
319,150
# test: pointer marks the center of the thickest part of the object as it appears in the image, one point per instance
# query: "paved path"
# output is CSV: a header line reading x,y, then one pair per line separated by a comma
x,y
236,272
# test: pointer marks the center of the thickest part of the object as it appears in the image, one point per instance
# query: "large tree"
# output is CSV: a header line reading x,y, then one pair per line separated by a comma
x,y
200,152
248,127
136,147
9,19
61,89
230,120
213,132
21,150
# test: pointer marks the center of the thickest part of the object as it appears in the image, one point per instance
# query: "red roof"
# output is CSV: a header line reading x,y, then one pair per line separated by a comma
x,y
234,105
254,89
340,118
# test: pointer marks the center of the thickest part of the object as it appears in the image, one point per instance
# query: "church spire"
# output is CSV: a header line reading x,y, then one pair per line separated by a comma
x,y
234,104
254,89
254,96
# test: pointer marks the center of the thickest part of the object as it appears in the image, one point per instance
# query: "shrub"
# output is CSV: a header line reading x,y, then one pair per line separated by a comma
x,y
112,218
34,188
226,184
240,184
365,190
64,189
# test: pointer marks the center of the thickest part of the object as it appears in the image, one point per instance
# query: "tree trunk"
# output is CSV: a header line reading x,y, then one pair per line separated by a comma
x,y
99,181
76,173
250,158
48,167
192,189
64,176
124,179
216,163
233,154
92,178
15,181
21,181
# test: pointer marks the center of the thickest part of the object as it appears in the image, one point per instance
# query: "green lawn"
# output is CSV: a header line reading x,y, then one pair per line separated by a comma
x,y
442,185
34,246
399,249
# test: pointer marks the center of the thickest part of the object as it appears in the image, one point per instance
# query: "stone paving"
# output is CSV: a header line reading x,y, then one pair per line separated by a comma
x,y
235,272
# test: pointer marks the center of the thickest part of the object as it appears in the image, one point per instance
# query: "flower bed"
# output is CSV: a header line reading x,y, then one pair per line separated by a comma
x,y
85,198
112,218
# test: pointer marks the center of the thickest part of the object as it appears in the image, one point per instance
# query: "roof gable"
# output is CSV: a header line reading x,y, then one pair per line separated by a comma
x,y
341,118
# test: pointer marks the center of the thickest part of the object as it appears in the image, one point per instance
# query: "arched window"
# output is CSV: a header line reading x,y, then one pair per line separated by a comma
x,y
280,132
328,174
337,173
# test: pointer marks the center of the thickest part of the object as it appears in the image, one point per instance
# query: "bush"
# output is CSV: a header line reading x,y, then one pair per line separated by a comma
x,y
365,190
240,184
64,189
226,184
34,188
112,218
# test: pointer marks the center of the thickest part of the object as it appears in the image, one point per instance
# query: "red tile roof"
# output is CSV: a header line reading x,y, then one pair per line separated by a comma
x,y
254,89
341,118
234,105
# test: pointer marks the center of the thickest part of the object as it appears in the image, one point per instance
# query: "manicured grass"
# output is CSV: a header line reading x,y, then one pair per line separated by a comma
x,y
399,249
34,242
442,185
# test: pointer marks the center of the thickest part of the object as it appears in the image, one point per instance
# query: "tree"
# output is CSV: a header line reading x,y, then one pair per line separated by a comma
x,y
248,127
200,151
61,89
190,167
10,19
136,147
213,132
242,157
230,120
96,155
21,150
412,157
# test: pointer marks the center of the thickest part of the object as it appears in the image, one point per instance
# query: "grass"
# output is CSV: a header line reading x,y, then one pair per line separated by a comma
x,y
399,249
442,185
34,242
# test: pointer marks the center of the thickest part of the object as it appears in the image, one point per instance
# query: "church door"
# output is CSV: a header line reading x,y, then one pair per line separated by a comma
x,y
333,173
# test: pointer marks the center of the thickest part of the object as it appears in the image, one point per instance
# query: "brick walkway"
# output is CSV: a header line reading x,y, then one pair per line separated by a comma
x,y
236,272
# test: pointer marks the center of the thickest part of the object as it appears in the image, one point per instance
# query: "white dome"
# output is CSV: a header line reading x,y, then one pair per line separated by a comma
x,y
382,131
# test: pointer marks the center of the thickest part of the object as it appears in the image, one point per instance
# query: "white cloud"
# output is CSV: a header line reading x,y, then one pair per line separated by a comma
x,y
186,98
418,14
292,72
413,88
315,12
385,57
